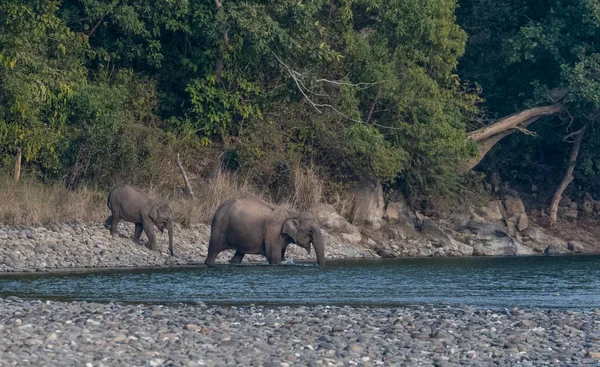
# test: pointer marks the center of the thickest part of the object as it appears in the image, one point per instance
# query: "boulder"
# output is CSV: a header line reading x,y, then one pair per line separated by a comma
x,y
515,216
384,251
397,211
565,201
484,230
368,205
513,205
329,218
552,250
492,212
439,238
575,246
502,246
518,222
494,240
539,240
568,212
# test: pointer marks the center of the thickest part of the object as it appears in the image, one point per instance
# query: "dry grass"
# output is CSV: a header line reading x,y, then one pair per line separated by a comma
x,y
32,203
307,190
209,195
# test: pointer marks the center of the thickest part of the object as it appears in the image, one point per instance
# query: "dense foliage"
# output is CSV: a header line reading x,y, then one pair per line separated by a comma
x,y
101,91
95,90
521,50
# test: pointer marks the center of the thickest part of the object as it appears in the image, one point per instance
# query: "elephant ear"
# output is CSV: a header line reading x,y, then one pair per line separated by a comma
x,y
153,213
274,228
290,227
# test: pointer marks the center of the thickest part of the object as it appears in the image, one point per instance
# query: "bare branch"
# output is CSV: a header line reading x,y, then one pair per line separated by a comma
x,y
361,85
514,120
303,89
96,26
574,134
525,131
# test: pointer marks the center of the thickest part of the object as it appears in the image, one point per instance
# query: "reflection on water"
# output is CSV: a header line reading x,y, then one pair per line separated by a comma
x,y
565,282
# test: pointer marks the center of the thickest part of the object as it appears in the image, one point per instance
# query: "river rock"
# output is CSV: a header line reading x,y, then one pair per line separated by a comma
x,y
493,240
513,205
575,246
397,211
515,216
441,239
492,212
329,218
539,240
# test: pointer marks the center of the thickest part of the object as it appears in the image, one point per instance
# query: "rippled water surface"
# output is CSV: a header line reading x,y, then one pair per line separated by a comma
x,y
565,282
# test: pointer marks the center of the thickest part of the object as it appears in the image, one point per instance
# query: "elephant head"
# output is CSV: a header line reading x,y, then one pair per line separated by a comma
x,y
162,217
303,230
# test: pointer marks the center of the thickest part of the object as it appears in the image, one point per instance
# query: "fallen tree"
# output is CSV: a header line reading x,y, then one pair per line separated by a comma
x,y
487,136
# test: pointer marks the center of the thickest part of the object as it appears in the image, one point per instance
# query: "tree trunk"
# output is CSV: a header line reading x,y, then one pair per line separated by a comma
x,y
188,187
224,46
567,178
372,108
513,121
489,135
18,165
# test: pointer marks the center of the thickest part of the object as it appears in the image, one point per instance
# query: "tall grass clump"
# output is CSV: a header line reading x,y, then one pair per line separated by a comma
x,y
30,202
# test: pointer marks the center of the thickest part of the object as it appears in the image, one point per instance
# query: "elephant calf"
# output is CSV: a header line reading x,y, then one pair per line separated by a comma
x,y
133,205
257,227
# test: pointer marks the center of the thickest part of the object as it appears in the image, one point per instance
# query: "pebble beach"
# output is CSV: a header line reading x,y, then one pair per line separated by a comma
x,y
49,333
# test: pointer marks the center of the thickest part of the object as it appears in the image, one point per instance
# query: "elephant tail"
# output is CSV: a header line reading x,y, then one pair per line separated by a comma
x,y
108,201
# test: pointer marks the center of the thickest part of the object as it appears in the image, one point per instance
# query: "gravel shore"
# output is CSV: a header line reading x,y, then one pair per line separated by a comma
x,y
47,333
90,245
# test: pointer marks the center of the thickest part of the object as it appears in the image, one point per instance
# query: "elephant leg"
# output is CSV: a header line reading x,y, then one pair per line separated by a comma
x,y
237,258
114,224
274,257
138,232
108,222
149,230
212,255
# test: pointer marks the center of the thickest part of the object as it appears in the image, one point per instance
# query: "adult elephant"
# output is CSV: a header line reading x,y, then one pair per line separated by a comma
x,y
256,227
133,205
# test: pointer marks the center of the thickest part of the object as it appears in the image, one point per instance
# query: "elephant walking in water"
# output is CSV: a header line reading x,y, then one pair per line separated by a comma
x,y
257,227
133,205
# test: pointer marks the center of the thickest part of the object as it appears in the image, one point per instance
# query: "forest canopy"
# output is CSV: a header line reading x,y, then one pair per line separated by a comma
x,y
96,92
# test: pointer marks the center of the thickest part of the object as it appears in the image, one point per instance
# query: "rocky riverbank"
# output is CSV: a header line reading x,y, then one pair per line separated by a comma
x,y
89,245
92,334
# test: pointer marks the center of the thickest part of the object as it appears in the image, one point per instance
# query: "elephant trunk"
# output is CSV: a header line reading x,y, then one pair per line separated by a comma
x,y
170,229
317,241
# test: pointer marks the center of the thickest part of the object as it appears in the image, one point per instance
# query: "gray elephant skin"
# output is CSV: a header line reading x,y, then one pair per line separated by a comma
x,y
257,227
133,205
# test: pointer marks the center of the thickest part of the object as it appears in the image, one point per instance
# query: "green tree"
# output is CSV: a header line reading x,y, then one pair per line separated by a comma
x,y
40,67
540,58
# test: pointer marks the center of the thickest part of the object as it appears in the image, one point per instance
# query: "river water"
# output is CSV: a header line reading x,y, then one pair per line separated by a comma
x,y
492,282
